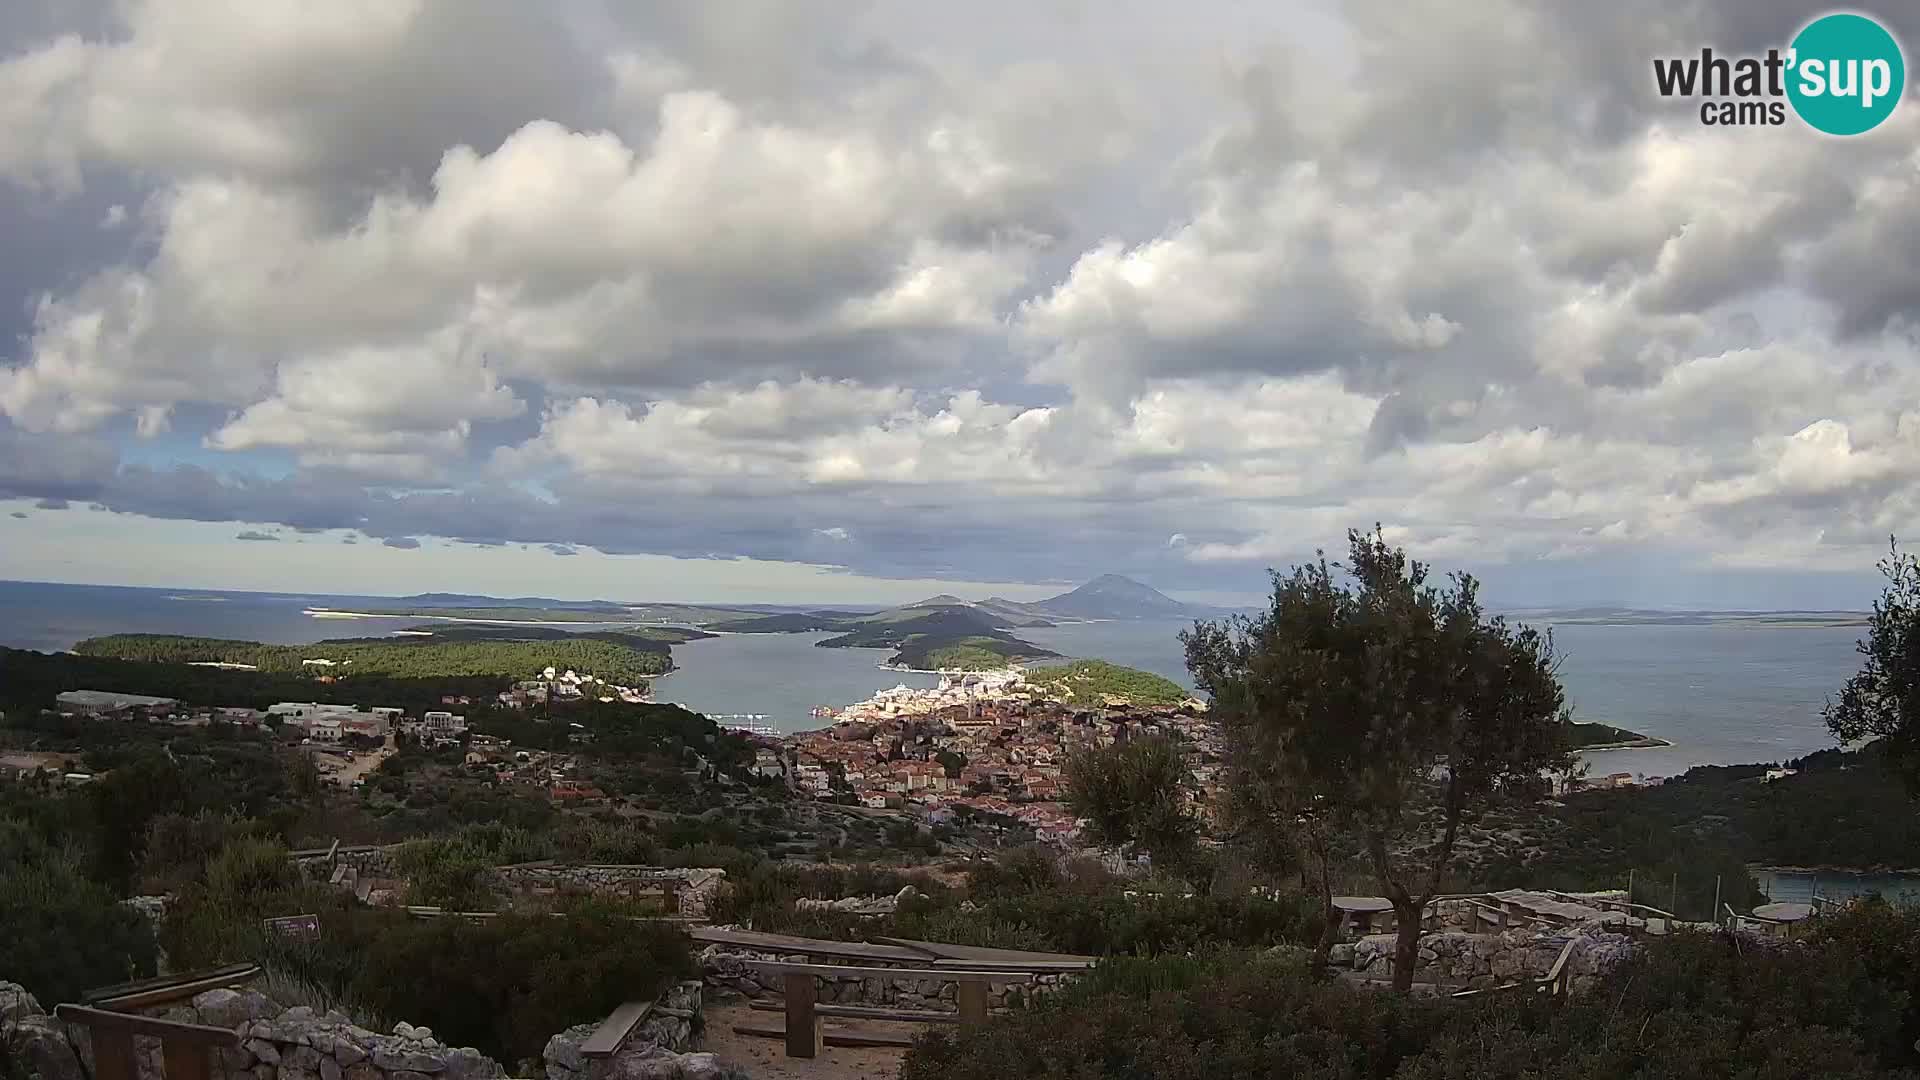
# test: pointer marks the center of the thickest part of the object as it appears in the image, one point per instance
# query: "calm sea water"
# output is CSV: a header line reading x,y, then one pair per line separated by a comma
x,y
1720,694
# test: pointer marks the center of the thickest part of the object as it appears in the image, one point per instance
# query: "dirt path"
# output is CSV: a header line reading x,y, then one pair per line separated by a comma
x,y
766,1059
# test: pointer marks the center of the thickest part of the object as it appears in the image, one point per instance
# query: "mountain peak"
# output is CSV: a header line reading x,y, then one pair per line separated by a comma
x,y
1113,596
943,600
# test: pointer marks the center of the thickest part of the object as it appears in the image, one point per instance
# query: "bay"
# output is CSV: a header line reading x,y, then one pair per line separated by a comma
x,y
1721,694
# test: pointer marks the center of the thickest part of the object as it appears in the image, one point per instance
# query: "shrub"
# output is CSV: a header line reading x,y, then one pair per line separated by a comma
x,y
1175,1018
61,933
505,985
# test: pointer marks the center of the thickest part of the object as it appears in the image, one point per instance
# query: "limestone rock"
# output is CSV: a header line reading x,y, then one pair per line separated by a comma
x,y
16,1002
40,1043
267,1052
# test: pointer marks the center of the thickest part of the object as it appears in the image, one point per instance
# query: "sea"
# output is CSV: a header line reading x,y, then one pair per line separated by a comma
x,y
1719,694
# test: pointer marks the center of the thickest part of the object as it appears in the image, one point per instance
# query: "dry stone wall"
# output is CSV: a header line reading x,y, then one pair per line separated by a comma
x,y
1480,960
726,972
275,1043
695,887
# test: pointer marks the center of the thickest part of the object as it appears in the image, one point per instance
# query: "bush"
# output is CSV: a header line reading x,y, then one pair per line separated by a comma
x,y
1688,1007
61,933
505,985
1175,1018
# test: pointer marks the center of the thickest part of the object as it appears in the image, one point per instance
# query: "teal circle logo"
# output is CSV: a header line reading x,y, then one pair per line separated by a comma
x,y
1845,74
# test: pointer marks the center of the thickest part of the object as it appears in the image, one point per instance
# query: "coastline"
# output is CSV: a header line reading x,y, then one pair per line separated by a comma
x,y
329,613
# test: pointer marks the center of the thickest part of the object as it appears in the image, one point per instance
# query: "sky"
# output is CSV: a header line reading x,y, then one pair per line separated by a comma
x,y
817,300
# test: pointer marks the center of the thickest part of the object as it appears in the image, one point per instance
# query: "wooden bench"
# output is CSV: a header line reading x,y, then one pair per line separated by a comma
x,y
803,1031
184,1048
613,1031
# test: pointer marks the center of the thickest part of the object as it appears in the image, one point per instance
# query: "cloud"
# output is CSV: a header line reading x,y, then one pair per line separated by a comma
x,y
252,534
561,549
52,504
405,543
20,514
917,294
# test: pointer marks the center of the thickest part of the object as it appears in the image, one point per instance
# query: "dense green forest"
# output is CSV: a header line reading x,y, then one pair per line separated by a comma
x,y
29,682
622,662
1581,735
1091,682
1841,810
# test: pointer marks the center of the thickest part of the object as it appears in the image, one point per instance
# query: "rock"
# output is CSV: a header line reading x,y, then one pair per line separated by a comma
x,y
563,1049
264,1071
348,1052
329,1069
39,1042
16,1002
363,1071
303,1058
704,1066
299,1014
423,1033
268,1053
404,1074
393,1059
1341,955
466,1063
403,1029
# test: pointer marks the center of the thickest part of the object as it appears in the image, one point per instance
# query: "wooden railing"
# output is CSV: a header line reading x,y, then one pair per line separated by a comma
x,y
803,1031
185,1049
179,986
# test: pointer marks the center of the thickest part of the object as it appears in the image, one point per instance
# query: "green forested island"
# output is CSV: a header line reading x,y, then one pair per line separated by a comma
x,y
939,637
1092,682
1585,736
622,661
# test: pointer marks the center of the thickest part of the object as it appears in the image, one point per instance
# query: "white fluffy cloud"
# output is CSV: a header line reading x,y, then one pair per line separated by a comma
x,y
1034,291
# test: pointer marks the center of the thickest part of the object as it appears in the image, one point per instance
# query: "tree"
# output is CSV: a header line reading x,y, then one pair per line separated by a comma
x,y
1135,792
1882,699
1379,707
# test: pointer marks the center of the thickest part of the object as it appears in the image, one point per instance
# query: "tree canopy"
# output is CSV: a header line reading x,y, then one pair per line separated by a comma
x,y
1882,699
1134,792
1379,705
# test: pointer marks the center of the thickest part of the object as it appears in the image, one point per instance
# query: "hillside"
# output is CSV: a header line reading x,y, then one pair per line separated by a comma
x,y
626,661
1095,682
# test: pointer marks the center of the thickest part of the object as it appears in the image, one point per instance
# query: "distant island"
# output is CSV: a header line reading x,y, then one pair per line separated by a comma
x,y
1605,616
947,633
1584,736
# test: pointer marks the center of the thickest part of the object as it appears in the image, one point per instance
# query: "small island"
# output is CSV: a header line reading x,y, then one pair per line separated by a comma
x,y
1097,682
1583,736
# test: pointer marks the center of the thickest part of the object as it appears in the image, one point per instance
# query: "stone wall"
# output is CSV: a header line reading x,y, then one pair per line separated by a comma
x,y
276,1043
695,887
368,862
726,973
1466,961
658,1049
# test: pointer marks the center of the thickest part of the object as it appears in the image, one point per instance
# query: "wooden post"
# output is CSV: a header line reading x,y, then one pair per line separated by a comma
x,y
184,1060
1716,899
972,998
803,1024
112,1053
1629,885
669,897
1673,902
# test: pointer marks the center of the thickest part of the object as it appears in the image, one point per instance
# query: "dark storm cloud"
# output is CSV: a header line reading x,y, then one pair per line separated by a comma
x,y
251,534
405,543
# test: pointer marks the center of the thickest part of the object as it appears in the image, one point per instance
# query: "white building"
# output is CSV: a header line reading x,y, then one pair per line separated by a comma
x,y
103,701
300,710
443,723
324,730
